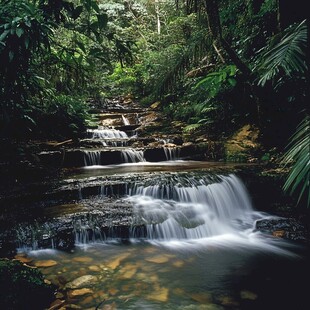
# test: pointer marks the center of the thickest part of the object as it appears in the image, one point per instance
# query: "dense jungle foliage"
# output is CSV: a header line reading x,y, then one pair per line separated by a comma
x,y
213,65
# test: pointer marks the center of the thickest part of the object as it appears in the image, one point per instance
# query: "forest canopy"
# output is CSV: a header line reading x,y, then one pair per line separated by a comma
x,y
213,65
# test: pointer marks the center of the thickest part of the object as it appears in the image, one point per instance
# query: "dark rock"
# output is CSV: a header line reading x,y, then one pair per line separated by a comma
x,y
73,158
23,287
155,154
288,228
51,158
64,240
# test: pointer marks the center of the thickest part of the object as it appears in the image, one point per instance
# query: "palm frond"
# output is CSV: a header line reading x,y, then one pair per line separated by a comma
x,y
298,154
287,55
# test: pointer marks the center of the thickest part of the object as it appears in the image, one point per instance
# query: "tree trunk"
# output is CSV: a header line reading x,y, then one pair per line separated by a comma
x,y
157,16
219,43
227,53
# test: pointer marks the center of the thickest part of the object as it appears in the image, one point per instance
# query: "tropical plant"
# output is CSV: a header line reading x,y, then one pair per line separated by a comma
x,y
62,116
38,62
298,156
214,81
286,56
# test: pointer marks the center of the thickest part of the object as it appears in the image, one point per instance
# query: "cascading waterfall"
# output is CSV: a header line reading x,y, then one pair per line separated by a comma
x,y
87,233
125,120
194,211
172,153
92,158
132,156
105,133
178,207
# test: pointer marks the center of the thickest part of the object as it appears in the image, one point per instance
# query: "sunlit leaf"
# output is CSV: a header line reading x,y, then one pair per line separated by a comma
x,y
19,32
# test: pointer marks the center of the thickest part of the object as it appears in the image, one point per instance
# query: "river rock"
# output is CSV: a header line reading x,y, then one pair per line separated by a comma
x,y
155,154
113,291
94,268
128,271
288,228
159,294
23,258
70,306
228,301
45,263
80,292
82,259
248,295
243,143
178,263
82,281
113,264
158,259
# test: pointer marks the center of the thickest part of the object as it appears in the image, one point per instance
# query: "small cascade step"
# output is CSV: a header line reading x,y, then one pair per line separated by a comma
x,y
118,155
106,133
117,130
174,206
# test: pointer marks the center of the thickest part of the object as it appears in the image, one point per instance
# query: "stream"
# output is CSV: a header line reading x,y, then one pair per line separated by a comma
x,y
124,231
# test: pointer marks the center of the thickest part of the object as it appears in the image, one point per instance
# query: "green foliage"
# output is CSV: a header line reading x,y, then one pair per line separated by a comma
x,y
62,116
48,48
298,156
23,287
23,33
124,79
215,81
286,56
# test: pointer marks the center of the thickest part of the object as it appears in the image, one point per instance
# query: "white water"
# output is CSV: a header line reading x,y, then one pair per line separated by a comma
x,y
92,158
105,133
172,153
125,120
195,211
132,156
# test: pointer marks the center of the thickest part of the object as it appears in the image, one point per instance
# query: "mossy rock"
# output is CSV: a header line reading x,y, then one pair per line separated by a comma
x,y
23,287
243,145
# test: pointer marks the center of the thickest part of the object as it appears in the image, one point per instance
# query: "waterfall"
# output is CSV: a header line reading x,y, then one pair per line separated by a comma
x,y
194,211
172,153
132,156
92,158
125,120
87,233
159,207
104,133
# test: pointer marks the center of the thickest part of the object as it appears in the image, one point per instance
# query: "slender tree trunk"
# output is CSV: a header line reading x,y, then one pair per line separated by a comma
x,y
227,53
219,43
157,16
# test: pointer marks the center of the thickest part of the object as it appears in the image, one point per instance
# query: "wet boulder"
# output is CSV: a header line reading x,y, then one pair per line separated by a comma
x,y
288,228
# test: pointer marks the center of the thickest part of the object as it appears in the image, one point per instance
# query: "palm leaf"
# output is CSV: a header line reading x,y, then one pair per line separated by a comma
x,y
298,153
288,55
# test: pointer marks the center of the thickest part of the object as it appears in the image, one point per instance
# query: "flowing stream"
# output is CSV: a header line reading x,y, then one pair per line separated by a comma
x,y
191,245
189,241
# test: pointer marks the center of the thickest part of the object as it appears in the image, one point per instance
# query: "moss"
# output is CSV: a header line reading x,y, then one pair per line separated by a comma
x,y
22,287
